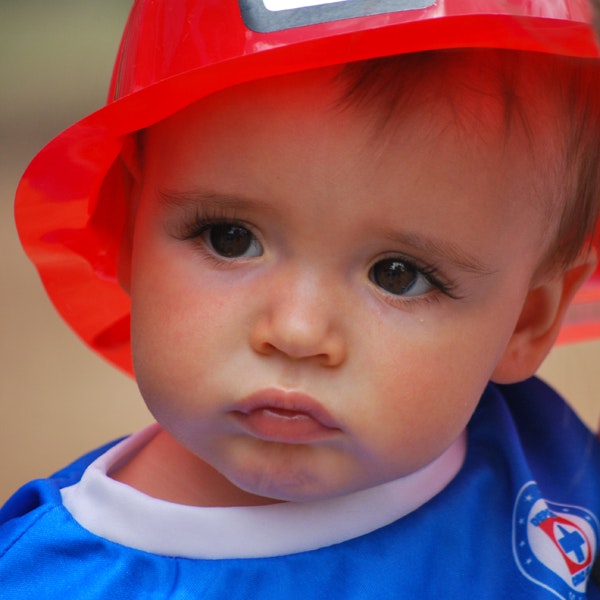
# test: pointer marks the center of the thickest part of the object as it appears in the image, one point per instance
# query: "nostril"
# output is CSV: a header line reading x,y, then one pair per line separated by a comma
x,y
326,347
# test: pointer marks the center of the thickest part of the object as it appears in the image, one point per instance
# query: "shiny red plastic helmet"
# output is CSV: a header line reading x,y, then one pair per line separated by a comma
x,y
71,202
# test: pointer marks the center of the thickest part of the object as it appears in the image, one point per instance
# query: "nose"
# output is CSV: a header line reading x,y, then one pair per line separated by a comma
x,y
300,320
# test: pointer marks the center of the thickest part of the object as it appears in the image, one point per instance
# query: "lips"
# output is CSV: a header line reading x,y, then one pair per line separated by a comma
x,y
286,417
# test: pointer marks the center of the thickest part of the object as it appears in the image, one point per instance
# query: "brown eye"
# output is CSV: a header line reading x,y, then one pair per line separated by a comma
x,y
400,278
232,241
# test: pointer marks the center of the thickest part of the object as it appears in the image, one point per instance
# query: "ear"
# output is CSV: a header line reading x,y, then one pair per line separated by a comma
x,y
131,163
540,321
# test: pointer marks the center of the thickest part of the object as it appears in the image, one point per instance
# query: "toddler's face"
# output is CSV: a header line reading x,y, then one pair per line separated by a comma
x,y
316,311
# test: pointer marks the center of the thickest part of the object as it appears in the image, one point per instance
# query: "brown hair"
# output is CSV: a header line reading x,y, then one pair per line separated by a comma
x,y
521,87
596,17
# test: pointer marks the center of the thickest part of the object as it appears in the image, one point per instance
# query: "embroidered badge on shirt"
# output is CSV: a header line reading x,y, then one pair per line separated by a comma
x,y
554,544
274,15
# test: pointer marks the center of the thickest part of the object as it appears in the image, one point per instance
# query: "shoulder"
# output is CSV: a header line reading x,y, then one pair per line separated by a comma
x,y
531,423
548,428
39,497
530,482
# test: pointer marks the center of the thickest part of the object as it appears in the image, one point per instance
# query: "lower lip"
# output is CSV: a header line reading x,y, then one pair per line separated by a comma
x,y
285,426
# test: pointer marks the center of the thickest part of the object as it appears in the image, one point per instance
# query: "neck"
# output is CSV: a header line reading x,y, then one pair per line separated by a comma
x,y
166,470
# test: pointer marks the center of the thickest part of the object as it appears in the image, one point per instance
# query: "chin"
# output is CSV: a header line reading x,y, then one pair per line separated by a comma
x,y
289,486
292,485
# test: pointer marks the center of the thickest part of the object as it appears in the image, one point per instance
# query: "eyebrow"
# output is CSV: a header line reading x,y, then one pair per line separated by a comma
x,y
443,249
210,199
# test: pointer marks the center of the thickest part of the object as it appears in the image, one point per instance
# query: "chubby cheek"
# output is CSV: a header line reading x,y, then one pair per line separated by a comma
x,y
428,381
171,334
170,343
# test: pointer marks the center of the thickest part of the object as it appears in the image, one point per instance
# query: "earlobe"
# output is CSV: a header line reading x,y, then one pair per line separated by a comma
x,y
540,322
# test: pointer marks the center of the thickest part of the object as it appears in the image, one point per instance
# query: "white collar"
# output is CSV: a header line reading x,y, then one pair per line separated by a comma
x,y
124,515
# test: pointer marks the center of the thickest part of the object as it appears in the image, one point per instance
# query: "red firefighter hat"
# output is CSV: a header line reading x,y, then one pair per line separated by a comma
x,y
71,201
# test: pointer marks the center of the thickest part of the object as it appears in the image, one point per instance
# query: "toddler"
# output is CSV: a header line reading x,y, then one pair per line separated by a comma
x,y
336,240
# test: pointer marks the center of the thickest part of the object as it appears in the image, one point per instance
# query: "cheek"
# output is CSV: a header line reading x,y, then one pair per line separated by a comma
x,y
431,375
167,328
186,326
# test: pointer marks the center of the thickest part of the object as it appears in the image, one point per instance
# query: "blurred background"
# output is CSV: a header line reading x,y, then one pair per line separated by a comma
x,y
57,399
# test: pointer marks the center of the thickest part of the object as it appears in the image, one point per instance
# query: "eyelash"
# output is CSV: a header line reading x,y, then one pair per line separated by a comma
x,y
192,226
442,286
436,279
194,229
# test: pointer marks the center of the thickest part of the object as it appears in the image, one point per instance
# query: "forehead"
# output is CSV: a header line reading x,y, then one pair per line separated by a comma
x,y
317,109
480,93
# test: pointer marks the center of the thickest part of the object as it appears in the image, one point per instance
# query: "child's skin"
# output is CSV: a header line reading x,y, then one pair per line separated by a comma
x,y
308,364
